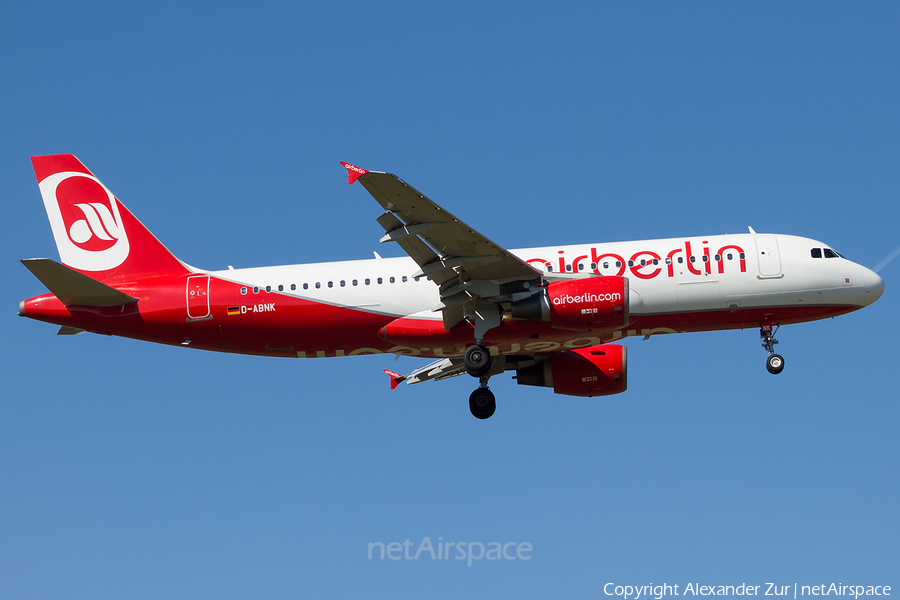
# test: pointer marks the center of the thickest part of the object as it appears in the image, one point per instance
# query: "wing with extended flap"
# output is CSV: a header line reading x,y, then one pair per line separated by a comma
x,y
441,369
472,272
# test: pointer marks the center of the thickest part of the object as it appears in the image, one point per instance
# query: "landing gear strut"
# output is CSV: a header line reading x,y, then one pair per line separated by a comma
x,y
775,362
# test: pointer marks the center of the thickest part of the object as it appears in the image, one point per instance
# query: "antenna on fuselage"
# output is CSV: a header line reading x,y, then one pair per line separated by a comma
x,y
751,230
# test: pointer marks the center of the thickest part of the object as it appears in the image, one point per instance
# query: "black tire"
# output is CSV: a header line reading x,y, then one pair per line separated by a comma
x,y
477,360
482,403
775,364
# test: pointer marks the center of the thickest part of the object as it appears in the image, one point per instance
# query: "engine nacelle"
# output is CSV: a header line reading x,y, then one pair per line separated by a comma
x,y
582,304
595,371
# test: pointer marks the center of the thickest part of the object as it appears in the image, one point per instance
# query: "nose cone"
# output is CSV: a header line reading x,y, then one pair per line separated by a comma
x,y
873,287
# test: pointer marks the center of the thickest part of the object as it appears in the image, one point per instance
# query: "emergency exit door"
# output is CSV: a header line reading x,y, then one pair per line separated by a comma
x,y
198,297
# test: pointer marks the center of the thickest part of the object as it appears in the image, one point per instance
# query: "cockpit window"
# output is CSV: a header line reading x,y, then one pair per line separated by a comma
x,y
829,253
816,253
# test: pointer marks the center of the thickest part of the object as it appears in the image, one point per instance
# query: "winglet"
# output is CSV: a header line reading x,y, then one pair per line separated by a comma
x,y
353,172
396,378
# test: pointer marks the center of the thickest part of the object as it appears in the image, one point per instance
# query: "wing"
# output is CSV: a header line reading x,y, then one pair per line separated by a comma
x,y
473,273
440,369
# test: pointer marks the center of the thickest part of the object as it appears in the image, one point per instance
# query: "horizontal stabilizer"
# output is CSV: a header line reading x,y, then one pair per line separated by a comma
x,y
73,288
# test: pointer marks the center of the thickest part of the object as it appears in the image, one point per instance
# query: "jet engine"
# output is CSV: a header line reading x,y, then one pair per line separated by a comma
x,y
582,304
595,371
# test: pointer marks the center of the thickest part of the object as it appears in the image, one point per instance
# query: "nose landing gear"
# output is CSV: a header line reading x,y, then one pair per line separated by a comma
x,y
775,362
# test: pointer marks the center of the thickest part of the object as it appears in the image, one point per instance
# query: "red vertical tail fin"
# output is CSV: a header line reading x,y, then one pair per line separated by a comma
x,y
94,232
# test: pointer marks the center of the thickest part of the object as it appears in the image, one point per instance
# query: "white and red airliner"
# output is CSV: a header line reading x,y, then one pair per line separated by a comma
x,y
548,314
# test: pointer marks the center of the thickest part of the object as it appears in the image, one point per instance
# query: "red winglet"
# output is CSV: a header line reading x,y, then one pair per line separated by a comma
x,y
353,172
396,378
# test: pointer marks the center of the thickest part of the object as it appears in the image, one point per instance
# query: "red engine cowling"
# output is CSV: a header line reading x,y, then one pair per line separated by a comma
x,y
583,304
595,371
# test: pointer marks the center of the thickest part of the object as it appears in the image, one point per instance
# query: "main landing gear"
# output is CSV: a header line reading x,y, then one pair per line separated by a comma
x,y
477,361
775,362
482,403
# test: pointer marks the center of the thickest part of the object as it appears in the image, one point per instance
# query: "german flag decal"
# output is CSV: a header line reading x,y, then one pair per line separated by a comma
x,y
234,310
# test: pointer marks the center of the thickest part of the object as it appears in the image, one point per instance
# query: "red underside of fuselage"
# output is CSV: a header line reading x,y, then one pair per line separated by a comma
x,y
273,324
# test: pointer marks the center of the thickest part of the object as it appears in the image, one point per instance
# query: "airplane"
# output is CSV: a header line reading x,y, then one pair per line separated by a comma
x,y
551,315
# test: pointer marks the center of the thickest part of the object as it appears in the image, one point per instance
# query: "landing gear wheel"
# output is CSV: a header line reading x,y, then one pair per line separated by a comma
x,y
775,364
477,360
482,403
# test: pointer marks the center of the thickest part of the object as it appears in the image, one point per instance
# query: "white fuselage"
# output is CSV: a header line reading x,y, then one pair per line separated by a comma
x,y
674,275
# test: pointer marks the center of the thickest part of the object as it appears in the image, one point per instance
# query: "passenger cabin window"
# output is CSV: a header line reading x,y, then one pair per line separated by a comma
x,y
293,286
280,288
392,280
403,279
330,284
355,282
368,281
829,253
816,253
243,291
255,290
305,286
343,283
380,280
318,285
268,288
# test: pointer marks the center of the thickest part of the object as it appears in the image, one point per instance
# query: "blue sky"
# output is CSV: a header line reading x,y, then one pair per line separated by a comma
x,y
132,470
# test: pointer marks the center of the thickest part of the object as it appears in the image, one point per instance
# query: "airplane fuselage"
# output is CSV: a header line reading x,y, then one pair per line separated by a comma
x,y
341,308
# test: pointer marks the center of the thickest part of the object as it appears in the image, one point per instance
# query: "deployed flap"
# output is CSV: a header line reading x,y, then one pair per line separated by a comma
x,y
74,288
447,236
441,369
447,250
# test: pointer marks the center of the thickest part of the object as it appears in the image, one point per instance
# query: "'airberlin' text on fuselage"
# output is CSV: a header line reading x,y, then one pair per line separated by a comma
x,y
646,264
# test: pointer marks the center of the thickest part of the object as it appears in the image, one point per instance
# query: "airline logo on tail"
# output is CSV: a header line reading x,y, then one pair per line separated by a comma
x,y
85,220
